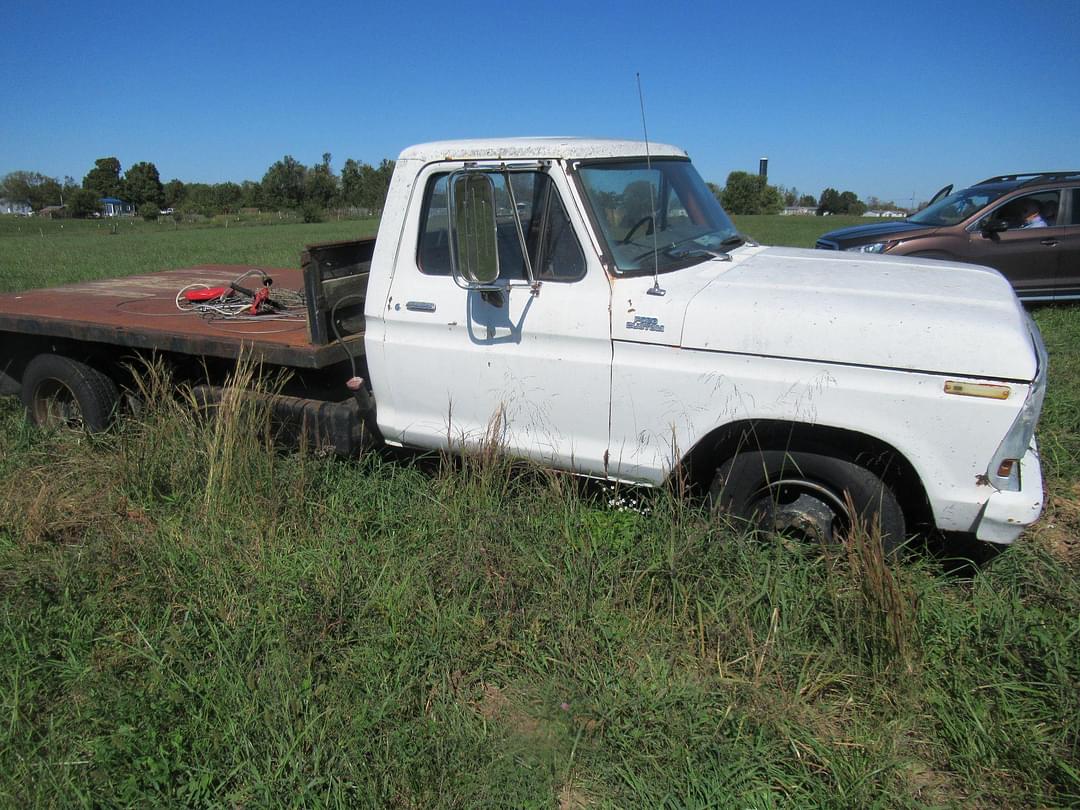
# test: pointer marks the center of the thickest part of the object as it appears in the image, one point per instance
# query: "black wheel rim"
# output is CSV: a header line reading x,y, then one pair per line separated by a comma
x,y
801,509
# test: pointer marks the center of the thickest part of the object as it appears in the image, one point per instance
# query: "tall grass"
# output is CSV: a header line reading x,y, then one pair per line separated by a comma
x,y
193,620
1059,427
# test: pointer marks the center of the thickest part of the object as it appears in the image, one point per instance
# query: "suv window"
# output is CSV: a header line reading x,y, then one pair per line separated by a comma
x,y
1012,213
1074,208
552,246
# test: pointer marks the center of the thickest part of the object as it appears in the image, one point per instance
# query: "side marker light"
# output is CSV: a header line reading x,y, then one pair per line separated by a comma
x,y
985,390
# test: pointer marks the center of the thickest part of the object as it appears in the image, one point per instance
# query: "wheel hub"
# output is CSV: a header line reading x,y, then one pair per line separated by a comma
x,y
55,406
802,509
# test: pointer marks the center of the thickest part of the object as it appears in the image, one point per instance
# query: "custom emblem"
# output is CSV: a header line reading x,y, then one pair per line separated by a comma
x,y
645,324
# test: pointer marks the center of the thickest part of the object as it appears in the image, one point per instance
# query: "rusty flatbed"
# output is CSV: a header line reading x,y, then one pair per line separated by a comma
x,y
140,312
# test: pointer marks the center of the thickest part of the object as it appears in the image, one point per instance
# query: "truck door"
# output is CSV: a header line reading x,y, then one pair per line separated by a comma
x,y
531,371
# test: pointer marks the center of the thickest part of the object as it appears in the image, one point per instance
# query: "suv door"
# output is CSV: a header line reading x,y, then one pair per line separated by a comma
x,y
530,371
1068,271
1028,257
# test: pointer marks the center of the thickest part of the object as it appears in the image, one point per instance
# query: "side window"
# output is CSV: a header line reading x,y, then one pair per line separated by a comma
x,y
557,254
1074,208
433,255
1030,211
550,240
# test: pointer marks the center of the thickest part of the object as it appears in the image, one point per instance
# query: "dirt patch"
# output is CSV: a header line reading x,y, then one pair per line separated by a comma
x,y
931,787
505,707
497,705
57,505
572,797
1059,528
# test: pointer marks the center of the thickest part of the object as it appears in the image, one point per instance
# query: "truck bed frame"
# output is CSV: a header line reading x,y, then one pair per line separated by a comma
x,y
139,312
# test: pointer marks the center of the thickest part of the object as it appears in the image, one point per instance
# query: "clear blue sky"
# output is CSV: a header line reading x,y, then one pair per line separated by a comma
x,y
885,99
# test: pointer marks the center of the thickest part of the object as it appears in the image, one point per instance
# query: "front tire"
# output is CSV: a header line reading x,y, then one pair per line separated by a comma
x,y
806,495
60,392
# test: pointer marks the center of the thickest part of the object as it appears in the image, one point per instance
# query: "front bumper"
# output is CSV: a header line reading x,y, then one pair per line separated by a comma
x,y
1007,514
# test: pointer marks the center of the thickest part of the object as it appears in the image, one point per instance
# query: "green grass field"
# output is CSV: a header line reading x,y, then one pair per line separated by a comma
x,y
188,618
43,253
793,231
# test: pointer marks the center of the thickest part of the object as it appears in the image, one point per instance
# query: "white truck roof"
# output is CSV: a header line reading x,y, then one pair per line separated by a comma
x,y
565,148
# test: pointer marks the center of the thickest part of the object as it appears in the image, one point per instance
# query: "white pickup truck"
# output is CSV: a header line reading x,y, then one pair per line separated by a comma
x,y
590,302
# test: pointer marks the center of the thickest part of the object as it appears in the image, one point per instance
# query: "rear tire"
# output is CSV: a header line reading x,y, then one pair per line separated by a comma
x,y
60,392
804,494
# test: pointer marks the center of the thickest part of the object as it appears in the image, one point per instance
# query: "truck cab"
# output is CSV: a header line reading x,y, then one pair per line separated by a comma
x,y
588,304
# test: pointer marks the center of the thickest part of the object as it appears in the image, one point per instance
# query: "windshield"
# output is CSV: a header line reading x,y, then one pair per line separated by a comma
x,y
956,207
665,206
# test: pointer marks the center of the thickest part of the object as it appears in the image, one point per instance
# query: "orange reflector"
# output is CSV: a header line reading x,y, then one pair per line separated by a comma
x,y
1005,468
987,390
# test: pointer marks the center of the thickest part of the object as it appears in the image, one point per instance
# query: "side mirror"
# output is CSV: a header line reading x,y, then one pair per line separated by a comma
x,y
992,227
475,238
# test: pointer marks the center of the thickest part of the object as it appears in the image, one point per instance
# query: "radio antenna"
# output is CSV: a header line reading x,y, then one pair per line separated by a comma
x,y
656,290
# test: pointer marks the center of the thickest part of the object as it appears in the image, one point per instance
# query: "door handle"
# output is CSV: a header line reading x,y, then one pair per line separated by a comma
x,y
419,306
1048,242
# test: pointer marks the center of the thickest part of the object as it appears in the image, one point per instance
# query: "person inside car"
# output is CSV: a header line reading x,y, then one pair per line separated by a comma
x,y
1049,212
1030,215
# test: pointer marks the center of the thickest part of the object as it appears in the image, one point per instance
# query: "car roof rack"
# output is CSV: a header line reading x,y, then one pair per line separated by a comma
x,y
1030,177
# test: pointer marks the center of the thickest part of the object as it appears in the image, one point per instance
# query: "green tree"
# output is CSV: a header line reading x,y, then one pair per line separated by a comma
x,y
771,202
228,197
364,186
283,183
199,199
835,202
104,178
851,204
789,195
747,193
352,183
320,185
807,200
142,184
82,202
829,202
31,187
251,194
173,193
69,187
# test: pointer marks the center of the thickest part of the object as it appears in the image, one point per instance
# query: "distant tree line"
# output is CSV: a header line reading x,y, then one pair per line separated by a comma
x,y
290,185
287,185
746,193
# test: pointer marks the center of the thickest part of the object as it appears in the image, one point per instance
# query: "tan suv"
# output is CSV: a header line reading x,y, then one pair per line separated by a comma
x,y
1025,225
